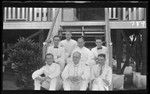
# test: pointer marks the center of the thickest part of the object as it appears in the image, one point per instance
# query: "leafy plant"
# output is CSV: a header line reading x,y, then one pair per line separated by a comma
x,y
26,57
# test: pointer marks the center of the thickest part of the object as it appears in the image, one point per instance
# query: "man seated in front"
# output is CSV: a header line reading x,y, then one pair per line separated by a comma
x,y
101,74
76,74
51,71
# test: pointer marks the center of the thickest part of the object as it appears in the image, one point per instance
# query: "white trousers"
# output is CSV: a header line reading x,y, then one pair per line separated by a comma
x,y
98,84
67,85
53,83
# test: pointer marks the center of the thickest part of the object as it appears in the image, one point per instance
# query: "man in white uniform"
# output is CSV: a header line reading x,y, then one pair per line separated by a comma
x,y
99,49
51,71
58,52
86,54
68,44
76,74
101,74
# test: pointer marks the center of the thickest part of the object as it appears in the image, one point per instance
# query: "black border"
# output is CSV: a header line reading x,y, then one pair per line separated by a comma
x,y
40,3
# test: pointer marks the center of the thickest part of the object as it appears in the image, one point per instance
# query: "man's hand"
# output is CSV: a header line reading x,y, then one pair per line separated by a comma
x,y
96,59
41,79
106,82
76,79
70,78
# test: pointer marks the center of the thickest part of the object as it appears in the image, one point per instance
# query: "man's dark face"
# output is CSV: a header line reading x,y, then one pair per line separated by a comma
x,y
49,59
81,42
76,57
56,41
68,35
98,42
101,60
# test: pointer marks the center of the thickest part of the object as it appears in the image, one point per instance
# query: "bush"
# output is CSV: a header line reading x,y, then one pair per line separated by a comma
x,y
26,57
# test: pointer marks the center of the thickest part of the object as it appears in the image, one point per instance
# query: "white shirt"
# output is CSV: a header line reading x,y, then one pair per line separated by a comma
x,y
69,46
51,71
80,70
96,51
86,55
58,53
106,72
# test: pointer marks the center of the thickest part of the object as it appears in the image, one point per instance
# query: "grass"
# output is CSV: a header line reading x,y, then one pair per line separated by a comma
x,y
9,81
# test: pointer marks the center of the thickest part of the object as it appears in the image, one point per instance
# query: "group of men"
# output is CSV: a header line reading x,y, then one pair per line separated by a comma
x,y
76,66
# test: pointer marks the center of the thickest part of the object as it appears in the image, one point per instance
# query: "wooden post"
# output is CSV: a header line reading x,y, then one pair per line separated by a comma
x,y
41,38
108,39
137,48
119,49
144,54
108,36
110,13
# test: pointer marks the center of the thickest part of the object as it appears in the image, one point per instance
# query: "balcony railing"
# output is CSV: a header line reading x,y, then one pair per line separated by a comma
x,y
70,14
128,14
27,14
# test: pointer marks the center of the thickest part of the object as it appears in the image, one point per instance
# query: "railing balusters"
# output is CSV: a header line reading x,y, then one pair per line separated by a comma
x,y
5,14
23,13
18,13
141,13
124,13
26,14
35,14
134,13
45,14
40,14
9,12
13,13
30,14
110,13
130,14
114,13
44,18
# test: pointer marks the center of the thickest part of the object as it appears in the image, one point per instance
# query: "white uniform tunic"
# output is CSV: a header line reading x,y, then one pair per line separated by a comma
x,y
52,71
80,70
99,73
69,46
86,55
59,55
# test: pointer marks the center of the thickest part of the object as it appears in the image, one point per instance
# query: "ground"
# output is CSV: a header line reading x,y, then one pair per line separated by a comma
x,y
9,82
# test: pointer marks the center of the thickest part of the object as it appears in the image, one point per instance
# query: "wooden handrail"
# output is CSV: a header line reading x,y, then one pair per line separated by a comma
x,y
50,35
53,24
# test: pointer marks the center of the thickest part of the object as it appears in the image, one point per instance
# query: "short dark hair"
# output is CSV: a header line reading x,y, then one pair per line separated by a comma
x,y
102,55
68,31
98,38
82,37
56,36
49,54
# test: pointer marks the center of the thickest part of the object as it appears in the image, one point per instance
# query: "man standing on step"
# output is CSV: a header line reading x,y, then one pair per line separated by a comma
x,y
99,49
68,44
86,54
58,52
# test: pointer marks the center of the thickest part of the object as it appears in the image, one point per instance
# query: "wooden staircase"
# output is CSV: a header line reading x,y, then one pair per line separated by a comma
x,y
89,32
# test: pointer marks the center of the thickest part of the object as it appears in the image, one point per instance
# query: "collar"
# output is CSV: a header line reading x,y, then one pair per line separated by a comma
x,y
99,48
76,65
55,46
